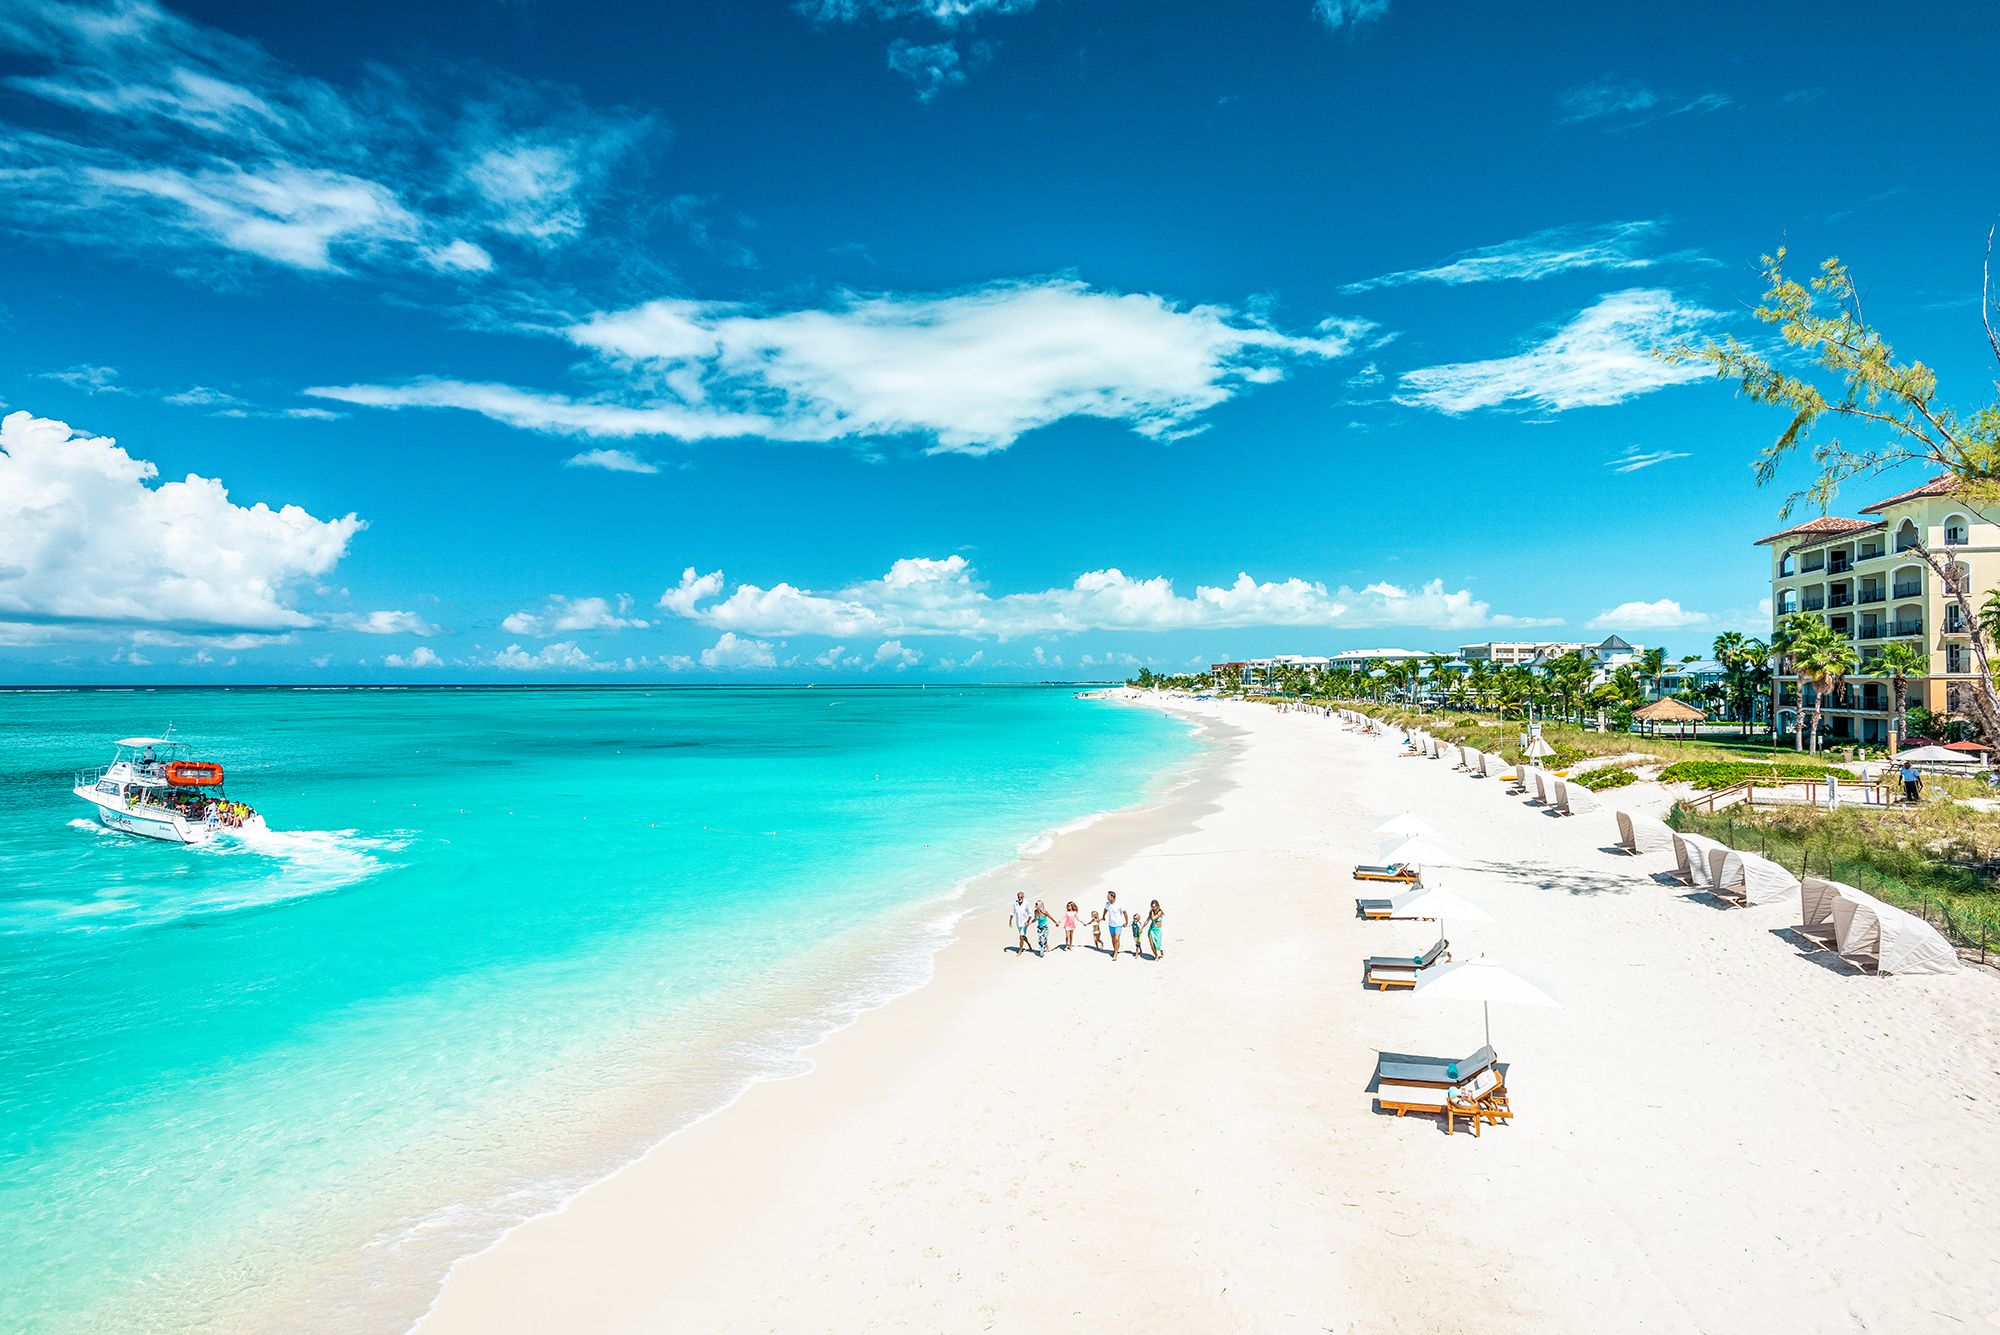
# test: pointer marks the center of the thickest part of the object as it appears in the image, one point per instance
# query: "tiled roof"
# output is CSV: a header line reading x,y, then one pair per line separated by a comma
x,y
1824,526
1944,484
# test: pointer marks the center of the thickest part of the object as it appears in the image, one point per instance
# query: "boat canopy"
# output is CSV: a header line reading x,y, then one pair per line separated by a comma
x,y
145,741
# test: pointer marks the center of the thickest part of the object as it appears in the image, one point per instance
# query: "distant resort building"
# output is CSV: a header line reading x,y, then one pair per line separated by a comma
x,y
1512,653
1865,578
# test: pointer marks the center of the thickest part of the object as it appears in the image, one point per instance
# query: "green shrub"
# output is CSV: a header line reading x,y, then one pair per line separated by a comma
x,y
1723,773
1598,780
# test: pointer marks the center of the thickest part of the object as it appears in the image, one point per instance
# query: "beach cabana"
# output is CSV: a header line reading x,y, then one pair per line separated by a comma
x,y
1748,878
1886,939
1643,834
1540,778
1816,897
1669,710
1571,798
1691,857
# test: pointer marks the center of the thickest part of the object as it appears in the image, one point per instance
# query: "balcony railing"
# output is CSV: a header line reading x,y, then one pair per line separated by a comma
x,y
1839,566
1905,629
1841,600
1908,591
1869,555
1815,604
1867,597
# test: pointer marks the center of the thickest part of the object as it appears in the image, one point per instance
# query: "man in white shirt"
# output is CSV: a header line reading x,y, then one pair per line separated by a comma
x,y
1114,918
1021,915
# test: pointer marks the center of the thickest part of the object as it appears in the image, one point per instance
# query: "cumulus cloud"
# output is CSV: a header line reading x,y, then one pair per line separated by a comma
x,y
966,372
1543,254
568,616
892,653
1602,356
86,538
1661,614
562,656
734,651
611,461
142,129
1338,14
931,596
423,656
384,623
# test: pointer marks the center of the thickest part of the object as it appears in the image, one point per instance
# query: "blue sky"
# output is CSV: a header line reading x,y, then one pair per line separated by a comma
x,y
951,339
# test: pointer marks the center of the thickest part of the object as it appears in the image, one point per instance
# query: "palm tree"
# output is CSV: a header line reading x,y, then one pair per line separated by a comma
x,y
1824,659
1653,666
1899,662
1789,639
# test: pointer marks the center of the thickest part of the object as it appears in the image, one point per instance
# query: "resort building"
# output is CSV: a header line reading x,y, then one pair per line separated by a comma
x,y
1370,659
1864,577
1510,653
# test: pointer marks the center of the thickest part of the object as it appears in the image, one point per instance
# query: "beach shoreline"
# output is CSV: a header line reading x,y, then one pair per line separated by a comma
x,y
1190,1144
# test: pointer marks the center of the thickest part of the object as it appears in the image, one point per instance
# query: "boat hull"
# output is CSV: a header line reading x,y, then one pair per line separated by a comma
x,y
146,824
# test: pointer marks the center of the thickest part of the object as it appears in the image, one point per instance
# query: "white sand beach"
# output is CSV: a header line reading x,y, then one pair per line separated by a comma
x,y
1716,1133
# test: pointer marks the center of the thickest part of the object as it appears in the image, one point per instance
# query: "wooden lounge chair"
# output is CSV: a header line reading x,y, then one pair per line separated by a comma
x,y
1387,971
1480,1100
1395,871
1439,1071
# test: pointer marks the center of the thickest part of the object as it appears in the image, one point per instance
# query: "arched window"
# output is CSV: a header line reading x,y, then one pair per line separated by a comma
x,y
1789,565
1956,530
1906,535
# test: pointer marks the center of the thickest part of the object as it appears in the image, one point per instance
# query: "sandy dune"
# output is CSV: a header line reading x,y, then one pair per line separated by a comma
x,y
1716,1133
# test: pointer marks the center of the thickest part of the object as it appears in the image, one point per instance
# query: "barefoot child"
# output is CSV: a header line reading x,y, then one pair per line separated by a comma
x,y
1069,926
1097,930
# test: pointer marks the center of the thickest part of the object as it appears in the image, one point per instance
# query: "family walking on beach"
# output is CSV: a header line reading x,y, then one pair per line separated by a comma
x,y
1113,918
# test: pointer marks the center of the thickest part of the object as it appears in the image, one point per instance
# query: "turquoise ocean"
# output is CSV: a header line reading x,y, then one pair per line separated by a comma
x,y
495,944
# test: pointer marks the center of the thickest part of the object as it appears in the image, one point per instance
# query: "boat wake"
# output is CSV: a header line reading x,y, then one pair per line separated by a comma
x,y
249,868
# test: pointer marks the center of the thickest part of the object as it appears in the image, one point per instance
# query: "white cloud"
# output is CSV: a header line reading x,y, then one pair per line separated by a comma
x,y
86,540
1661,614
145,129
611,461
423,656
562,656
946,13
891,653
968,371
1627,103
926,596
1602,356
89,379
1543,254
567,616
933,66
1634,459
1338,14
733,651
384,623
831,658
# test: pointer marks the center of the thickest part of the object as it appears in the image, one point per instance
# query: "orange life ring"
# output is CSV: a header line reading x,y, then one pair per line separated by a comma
x,y
194,774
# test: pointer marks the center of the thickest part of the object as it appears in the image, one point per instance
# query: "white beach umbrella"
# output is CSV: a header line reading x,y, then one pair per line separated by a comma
x,y
1485,981
1407,824
1933,755
1537,748
1420,851
1432,902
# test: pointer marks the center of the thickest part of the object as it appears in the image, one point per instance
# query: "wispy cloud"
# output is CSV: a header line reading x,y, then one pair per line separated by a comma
x,y
612,461
966,372
1624,103
935,66
1543,254
1633,459
1339,14
146,130
944,596
89,379
1602,356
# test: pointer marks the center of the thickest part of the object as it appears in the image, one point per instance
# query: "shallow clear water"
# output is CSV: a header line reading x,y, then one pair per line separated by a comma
x,y
495,942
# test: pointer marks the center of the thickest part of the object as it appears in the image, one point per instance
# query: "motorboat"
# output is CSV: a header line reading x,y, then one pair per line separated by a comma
x,y
152,788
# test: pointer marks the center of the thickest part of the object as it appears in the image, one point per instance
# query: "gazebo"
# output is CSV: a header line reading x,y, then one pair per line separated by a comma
x,y
1669,710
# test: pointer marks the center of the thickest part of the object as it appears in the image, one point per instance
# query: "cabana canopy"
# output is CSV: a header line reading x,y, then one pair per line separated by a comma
x,y
1872,933
1669,710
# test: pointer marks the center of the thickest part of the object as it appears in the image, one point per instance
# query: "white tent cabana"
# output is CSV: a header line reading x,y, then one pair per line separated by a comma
x,y
1643,834
1887,939
1691,857
1750,877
